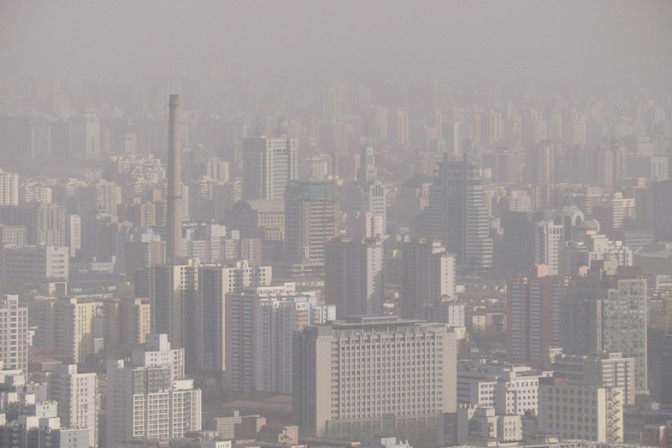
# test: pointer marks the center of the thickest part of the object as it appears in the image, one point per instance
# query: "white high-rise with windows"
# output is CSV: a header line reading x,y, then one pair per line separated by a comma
x,y
547,240
149,397
312,217
268,166
13,334
77,397
9,188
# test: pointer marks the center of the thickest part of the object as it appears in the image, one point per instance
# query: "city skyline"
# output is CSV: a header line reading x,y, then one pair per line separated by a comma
x,y
335,224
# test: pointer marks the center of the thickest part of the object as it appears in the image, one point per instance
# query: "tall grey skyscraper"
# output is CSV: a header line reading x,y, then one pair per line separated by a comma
x,y
533,314
457,214
367,193
427,278
353,276
312,217
607,313
173,288
268,166
214,282
174,236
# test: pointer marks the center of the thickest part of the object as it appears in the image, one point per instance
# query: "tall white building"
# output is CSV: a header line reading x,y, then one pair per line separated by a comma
x,y
13,333
373,375
9,188
548,238
268,166
149,397
367,194
312,217
353,279
78,399
427,278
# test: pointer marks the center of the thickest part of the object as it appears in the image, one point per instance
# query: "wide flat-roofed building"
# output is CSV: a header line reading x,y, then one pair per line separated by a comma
x,y
372,375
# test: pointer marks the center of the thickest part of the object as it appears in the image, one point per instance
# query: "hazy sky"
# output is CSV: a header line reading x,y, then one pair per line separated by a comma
x,y
541,42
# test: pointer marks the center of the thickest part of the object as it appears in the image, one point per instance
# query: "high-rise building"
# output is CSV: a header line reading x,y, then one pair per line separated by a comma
x,y
277,318
259,326
34,264
548,237
373,375
613,213
13,333
516,248
588,248
86,135
353,279
215,282
579,412
400,128
269,164
172,290
605,369
77,397
45,223
149,397
312,217
135,320
607,313
66,324
533,308
427,279
570,217
366,194
457,214
9,188
126,322
662,210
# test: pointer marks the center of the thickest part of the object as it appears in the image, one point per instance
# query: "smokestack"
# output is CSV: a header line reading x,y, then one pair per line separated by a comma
x,y
174,236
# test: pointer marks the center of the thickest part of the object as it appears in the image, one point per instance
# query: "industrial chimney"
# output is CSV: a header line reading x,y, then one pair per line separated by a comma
x,y
174,234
